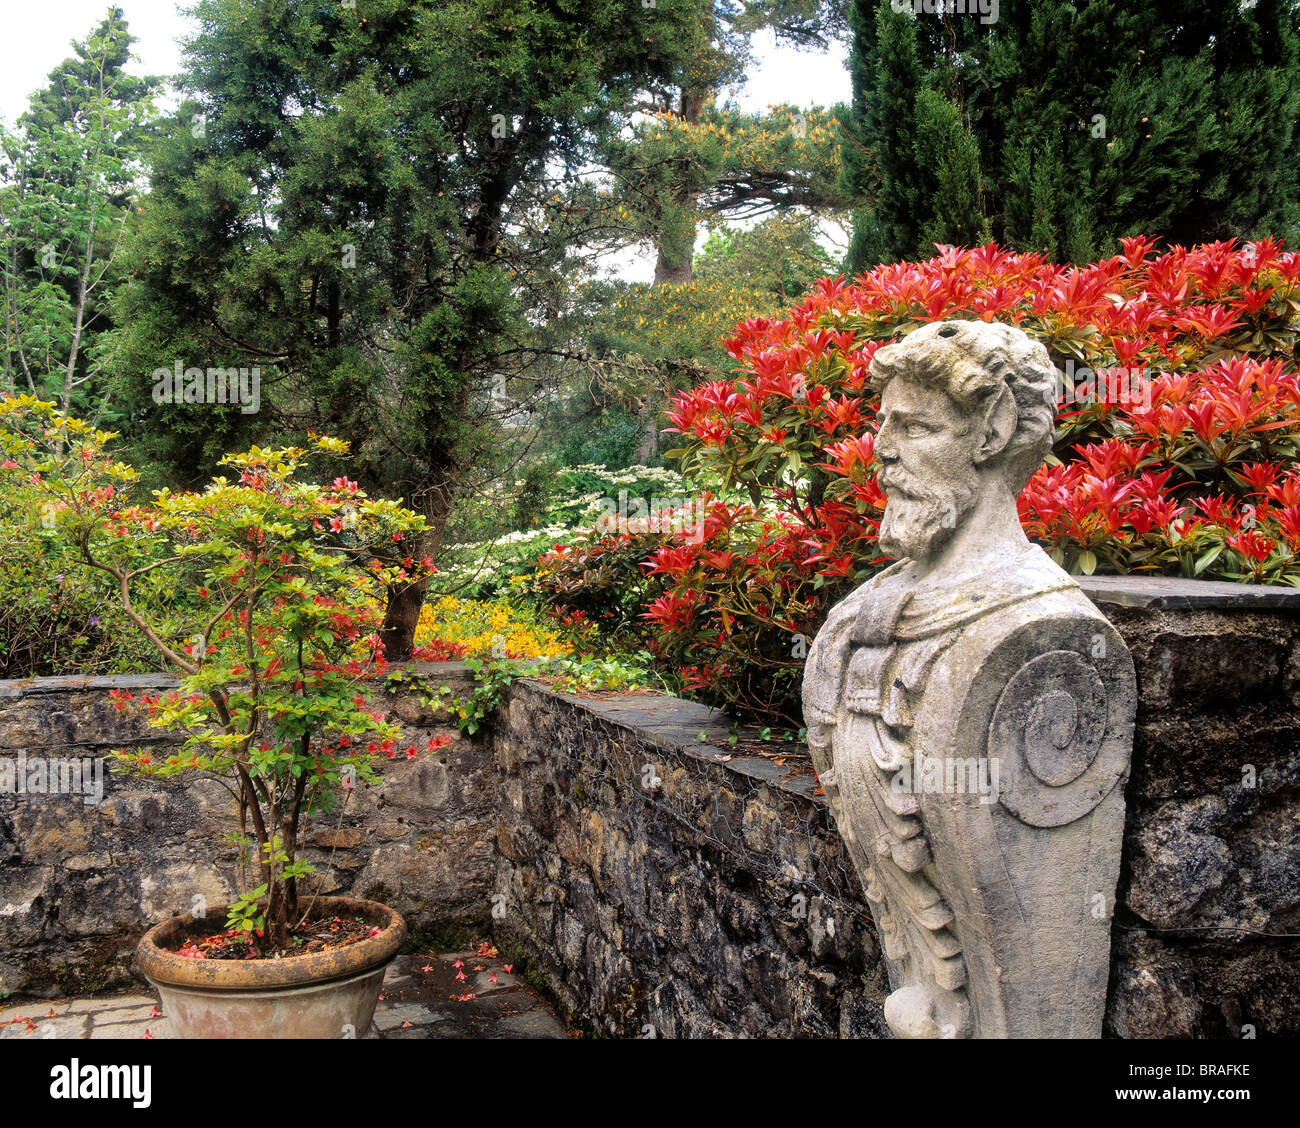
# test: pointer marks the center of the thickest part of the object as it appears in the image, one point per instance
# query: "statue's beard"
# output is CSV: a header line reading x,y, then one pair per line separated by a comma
x,y
919,517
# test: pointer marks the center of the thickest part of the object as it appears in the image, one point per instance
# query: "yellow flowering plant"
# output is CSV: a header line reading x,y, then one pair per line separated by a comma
x,y
471,628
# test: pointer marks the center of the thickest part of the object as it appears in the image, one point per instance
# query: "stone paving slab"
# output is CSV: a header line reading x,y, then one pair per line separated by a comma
x,y
470,994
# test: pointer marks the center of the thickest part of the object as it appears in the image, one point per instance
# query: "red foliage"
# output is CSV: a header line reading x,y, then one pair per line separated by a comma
x,y
1177,435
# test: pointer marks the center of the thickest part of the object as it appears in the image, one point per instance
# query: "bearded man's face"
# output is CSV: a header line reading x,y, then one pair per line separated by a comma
x,y
927,445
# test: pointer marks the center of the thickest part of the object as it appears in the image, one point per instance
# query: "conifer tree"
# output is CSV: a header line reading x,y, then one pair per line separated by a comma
x,y
367,204
691,158
1090,121
69,170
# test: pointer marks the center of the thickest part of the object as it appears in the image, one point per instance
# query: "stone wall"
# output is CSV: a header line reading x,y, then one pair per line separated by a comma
x,y
718,901
664,891
1207,937
663,885
79,882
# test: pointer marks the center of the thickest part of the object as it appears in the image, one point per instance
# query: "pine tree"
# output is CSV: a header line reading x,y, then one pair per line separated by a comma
x,y
692,159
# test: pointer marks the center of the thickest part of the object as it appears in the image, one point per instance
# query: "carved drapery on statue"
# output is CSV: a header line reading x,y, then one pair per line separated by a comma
x,y
970,715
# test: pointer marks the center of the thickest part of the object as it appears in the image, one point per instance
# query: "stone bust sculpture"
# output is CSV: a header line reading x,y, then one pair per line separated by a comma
x,y
970,712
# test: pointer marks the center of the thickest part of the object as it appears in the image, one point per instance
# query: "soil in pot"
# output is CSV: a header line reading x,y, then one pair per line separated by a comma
x,y
318,933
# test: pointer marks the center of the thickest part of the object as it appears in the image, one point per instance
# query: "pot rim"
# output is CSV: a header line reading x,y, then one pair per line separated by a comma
x,y
168,968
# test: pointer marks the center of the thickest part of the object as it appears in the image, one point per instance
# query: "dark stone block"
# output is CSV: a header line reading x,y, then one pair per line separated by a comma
x,y
1177,594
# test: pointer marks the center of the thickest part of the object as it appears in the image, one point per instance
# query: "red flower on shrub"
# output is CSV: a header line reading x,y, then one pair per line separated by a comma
x,y
1174,450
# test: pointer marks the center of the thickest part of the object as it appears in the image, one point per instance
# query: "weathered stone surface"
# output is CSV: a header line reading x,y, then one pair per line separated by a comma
x,y
421,785
79,883
1174,593
650,900
51,829
343,838
444,878
1176,861
970,713
1211,879
1154,1003
25,904
55,712
182,886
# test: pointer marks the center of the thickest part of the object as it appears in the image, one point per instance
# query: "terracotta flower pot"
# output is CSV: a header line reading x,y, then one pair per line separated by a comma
x,y
329,994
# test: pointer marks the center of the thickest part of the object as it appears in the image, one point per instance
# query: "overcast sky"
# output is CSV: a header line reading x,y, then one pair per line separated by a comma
x,y
38,35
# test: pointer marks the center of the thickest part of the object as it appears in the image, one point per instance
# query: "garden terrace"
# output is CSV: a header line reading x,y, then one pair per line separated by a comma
x,y
656,882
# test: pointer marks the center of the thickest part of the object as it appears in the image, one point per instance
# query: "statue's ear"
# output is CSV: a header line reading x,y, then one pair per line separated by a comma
x,y
1001,417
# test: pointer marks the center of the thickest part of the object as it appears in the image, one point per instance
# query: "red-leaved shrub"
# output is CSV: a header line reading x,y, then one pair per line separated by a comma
x,y
1177,435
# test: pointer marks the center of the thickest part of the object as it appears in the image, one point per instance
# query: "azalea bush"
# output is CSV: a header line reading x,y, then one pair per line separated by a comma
x,y
283,640
1177,435
57,617
54,617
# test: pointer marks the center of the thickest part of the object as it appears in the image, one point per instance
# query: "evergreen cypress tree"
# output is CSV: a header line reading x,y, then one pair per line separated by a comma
x,y
1090,121
946,149
857,152
882,169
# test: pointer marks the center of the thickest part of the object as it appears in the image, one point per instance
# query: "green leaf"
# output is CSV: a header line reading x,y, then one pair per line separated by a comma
x,y
1208,559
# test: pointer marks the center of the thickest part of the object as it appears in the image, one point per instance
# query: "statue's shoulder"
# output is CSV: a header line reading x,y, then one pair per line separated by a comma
x,y
1035,608
1037,574
1032,567
850,604
1027,576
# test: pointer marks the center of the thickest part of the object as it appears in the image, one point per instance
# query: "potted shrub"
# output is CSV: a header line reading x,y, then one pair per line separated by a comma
x,y
281,643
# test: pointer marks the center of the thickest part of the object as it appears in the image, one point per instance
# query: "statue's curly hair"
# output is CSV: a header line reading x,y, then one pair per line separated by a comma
x,y
972,361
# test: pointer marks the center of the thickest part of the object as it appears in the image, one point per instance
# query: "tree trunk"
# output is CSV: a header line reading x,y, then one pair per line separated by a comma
x,y
402,613
74,349
670,266
649,439
401,617
666,271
